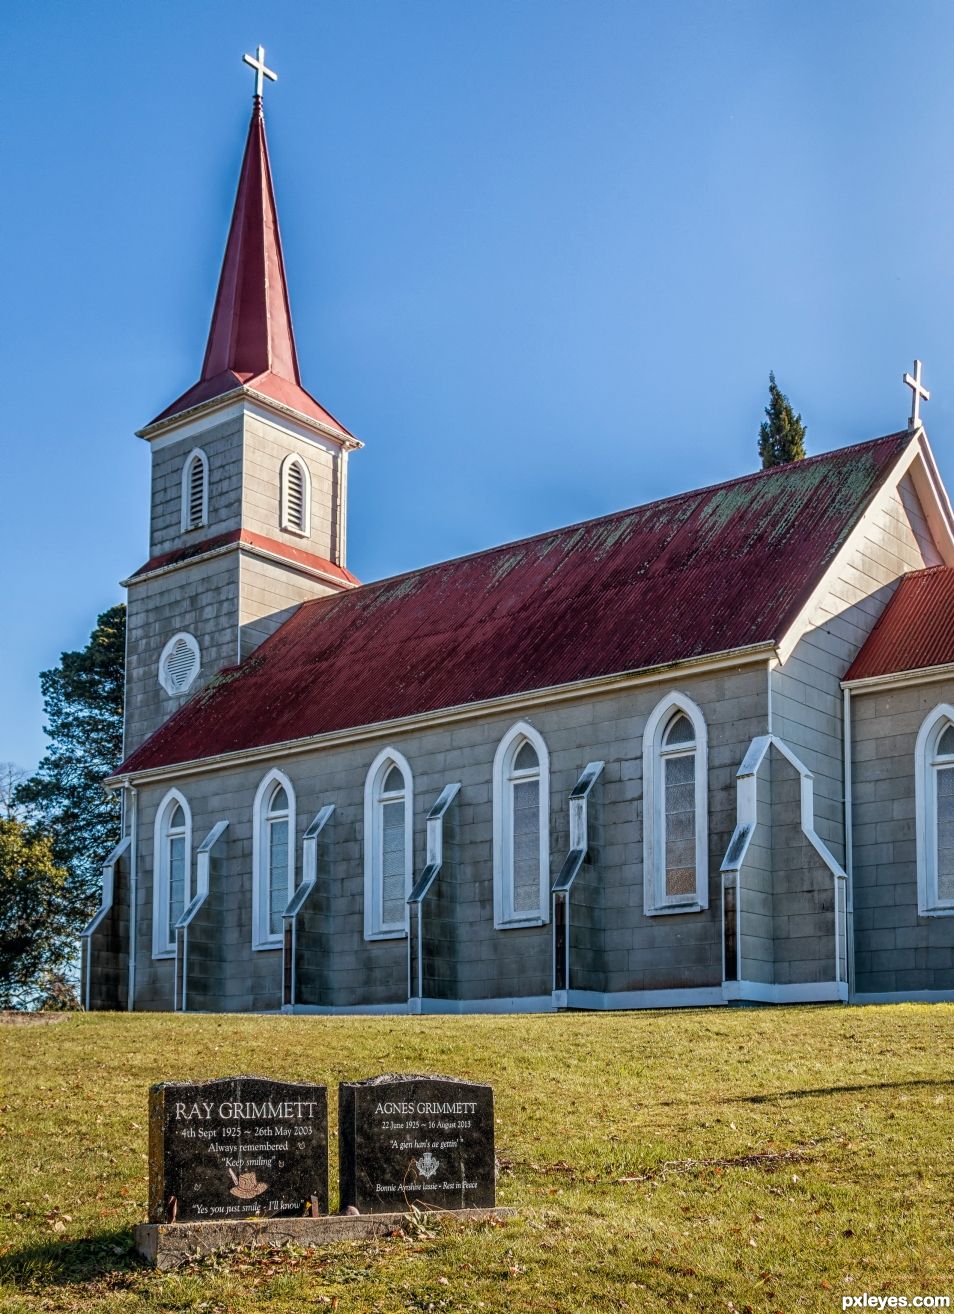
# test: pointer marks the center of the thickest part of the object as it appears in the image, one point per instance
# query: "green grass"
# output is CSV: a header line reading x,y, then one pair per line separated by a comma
x,y
722,1160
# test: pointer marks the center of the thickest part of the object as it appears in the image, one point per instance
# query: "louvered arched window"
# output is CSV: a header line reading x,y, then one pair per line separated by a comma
x,y
295,515
172,870
934,812
388,853
273,860
195,491
675,808
521,829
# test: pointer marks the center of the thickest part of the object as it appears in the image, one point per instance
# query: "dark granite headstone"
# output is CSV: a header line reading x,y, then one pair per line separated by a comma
x,y
415,1140
235,1148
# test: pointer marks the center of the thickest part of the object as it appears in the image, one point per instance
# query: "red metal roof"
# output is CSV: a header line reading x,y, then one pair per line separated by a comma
x,y
915,630
251,340
709,571
276,548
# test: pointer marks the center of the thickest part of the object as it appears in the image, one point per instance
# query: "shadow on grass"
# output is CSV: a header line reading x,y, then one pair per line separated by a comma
x,y
838,1090
770,1096
65,1263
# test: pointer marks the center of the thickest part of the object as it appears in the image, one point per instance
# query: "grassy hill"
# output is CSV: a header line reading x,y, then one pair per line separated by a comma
x,y
741,1160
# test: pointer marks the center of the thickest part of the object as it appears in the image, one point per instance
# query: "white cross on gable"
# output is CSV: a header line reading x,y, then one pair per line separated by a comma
x,y
258,64
918,394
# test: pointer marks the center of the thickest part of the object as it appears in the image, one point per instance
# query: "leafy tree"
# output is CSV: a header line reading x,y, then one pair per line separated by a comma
x,y
36,931
782,434
83,702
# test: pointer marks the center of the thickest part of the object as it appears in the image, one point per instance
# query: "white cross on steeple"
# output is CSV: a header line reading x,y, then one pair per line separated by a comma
x,y
258,64
918,392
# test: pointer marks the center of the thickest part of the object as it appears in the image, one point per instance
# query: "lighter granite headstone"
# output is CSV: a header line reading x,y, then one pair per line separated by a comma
x,y
422,1141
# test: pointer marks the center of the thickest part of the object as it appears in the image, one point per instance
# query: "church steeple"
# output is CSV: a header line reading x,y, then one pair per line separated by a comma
x,y
251,344
251,331
249,478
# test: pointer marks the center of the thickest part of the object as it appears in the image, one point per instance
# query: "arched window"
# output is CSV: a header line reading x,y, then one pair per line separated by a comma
x,y
195,491
295,512
934,808
675,808
273,858
388,845
172,871
521,829
678,755
179,664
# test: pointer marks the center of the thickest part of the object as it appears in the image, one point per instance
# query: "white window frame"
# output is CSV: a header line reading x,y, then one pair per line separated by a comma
x,y
656,902
505,918
187,525
262,936
375,928
163,935
163,674
925,811
285,522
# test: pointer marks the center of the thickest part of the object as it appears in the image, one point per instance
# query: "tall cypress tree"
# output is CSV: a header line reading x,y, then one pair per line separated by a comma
x,y
782,434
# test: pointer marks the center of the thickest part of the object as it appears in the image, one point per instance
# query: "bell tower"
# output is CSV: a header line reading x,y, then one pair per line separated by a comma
x,y
249,478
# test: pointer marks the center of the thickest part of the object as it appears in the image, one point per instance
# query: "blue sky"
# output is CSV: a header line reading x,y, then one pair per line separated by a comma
x,y
542,257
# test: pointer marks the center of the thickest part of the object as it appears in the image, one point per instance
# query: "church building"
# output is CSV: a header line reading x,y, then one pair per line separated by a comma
x,y
696,752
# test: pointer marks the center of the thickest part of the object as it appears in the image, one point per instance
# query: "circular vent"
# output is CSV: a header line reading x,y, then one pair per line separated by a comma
x,y
179,663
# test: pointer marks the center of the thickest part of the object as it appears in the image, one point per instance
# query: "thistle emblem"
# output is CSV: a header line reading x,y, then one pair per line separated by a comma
x,y
427,1166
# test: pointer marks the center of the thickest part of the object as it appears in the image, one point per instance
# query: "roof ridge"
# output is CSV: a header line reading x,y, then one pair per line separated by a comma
x,y
925,570
609,515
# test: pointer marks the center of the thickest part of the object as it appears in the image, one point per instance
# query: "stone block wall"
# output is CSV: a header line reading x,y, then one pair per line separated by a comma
x,y
803,893
442,931
233,601
269,592
201,598
222,442
104,951
756,890
633,952
267,442
806,689
896,950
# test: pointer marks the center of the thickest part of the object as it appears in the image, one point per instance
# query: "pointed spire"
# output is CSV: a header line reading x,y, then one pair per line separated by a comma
x,y
251,331
251,341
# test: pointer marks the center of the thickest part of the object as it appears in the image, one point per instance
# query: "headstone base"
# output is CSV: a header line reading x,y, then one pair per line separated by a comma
x,y
167,1245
